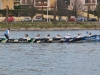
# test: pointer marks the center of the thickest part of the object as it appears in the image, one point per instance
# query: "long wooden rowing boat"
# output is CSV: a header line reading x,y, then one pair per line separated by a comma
x,y
93,38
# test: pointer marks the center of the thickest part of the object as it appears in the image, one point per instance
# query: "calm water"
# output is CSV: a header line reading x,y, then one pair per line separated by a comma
x,y
49,58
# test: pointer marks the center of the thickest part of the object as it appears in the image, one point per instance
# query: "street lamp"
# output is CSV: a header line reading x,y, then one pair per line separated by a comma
x,y
65,3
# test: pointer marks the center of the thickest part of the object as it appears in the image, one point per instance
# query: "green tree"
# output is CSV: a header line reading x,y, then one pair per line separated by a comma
x,y
97,11
62,9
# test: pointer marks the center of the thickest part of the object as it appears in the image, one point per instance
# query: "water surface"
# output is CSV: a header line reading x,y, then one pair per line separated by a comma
x,y
49,58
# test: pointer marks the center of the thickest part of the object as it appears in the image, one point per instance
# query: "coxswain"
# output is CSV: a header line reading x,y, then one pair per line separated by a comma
x,y
90,34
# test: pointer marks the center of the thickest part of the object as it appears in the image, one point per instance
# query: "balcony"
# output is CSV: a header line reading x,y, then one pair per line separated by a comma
x,y
40,0
16,0
39,4
91,4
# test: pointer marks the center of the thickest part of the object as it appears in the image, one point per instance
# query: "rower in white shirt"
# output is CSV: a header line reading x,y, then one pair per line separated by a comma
x,y
79,35
68,36
26,37
37,36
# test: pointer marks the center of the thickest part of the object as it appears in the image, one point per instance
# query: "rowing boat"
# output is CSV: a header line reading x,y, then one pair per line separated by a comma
x,y
93,38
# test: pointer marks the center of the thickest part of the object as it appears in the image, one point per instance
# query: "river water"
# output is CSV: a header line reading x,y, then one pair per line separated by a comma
x,y
49,58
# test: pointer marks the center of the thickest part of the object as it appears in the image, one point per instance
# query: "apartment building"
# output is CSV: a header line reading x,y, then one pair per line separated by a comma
x,y
42,4
3,4
0,4
91,3
17,2
39,4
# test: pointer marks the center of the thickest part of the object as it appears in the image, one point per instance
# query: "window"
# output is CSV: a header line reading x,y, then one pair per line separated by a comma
x,y
28,1
87,1
93,1
98,1
23,1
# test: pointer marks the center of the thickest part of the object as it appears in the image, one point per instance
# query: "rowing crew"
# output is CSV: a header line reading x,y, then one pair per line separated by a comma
x,y
6,34
59,36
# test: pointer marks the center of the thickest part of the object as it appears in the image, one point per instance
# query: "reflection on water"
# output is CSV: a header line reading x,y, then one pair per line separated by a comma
x,y
49,58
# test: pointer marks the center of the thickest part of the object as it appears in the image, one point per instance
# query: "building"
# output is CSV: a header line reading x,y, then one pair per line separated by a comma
x,y
42,4
9,3
98,1
39,4
17,2
0,4
91,3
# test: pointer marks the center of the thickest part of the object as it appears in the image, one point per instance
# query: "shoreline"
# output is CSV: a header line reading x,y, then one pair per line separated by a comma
x,y
49,29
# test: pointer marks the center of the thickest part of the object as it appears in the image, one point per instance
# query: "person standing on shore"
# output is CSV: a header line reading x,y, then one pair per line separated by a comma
x,y
6,34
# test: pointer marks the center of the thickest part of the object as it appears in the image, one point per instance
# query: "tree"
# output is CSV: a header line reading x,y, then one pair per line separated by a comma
x,y
76,8
32,11
7,13
61,8
54,11
97,11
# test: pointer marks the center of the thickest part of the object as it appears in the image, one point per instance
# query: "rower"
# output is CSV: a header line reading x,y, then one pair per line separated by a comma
x,y
26,37
37,36
79,35
48,36
58,36
68,36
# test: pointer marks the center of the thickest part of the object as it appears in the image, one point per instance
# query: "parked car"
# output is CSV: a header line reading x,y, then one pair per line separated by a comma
x,y
81,19
72,19
38,19
60,19
26,20
10,19
92,19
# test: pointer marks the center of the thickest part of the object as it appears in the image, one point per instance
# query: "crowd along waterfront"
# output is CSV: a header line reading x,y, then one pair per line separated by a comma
x,y
49,58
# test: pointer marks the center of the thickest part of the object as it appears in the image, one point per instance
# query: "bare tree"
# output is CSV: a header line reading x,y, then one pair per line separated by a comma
x,y
55,10
88,12
76,7
32,11
7,9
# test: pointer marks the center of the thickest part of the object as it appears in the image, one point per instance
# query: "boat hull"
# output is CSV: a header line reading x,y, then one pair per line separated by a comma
x,y
93,38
